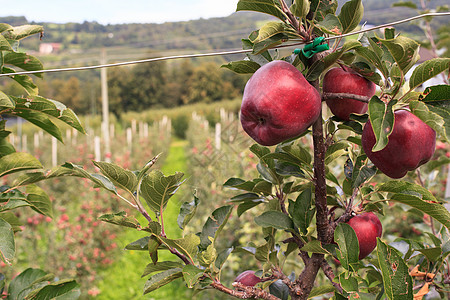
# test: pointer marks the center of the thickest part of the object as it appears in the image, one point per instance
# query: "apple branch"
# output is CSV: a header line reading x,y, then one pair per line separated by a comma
x,y
293,20
326,96
243,292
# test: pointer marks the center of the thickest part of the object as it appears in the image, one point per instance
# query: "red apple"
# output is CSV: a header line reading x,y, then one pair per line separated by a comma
x,y
367,227
278,104
248,278
411,144
345,80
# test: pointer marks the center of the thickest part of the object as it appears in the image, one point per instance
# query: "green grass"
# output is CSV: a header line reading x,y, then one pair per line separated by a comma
x,y
122,280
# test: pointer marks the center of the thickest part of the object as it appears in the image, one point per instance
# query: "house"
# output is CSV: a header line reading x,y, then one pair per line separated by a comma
x,y
47,48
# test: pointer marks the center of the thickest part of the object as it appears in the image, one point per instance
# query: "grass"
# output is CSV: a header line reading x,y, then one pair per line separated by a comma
x,y
122,280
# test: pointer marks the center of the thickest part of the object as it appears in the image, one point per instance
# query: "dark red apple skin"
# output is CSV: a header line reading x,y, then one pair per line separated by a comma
x,y
278,104
248,278
339,80
411,144
367,227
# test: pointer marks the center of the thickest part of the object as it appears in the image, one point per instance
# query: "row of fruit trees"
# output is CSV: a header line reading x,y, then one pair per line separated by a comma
x,y
323,178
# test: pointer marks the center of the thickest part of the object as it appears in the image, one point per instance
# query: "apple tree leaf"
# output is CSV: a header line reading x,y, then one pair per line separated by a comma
x,y
161,279
214,224
39,200
187,245
23,61
408,4
331,24
242,66
302,211
405,51
18,161
120,219
397,282
98,179
23,283
320,9
348,251
161,266
275,219
351,14
157,189
382,120
187,211
300,8
192,275
435,121
418,197
24,80
270,7
122,178
427,70
7,243
23,31
54,290
6,102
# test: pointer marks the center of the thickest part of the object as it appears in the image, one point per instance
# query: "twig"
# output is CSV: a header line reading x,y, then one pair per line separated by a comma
x,y
327,96
326,268
243,292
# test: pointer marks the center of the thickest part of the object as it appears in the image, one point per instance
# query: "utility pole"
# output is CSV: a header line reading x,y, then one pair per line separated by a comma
x,y
105,108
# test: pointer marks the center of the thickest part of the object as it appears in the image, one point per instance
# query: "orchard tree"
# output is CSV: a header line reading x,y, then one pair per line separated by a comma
x,y
319,205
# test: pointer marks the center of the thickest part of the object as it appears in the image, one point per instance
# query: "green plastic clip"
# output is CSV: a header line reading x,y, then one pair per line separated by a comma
x,y
312,48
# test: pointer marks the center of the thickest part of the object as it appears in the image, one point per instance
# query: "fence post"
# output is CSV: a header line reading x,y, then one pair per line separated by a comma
x,y
97,151
54,152
217,135
130,139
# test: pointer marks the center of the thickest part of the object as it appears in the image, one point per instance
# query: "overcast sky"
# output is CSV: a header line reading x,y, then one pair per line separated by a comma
x,y
117,11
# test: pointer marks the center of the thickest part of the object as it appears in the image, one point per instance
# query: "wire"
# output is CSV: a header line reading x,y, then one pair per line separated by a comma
x,y
230,52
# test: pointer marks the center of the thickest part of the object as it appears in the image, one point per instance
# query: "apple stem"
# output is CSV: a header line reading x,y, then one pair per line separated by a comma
x,y
364,99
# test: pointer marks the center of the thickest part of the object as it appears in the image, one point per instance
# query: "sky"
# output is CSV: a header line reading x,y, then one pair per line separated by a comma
x,y
117,11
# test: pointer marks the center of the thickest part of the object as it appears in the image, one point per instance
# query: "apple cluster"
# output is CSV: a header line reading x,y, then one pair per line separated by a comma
x,y
280,104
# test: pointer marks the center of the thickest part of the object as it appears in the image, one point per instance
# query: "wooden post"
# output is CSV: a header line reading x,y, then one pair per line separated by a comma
x,y
54,152
130,139
97,149
105,108
447,187
217,136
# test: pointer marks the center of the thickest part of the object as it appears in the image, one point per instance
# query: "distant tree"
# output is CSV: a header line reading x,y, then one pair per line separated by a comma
x,y
147,86
206,84
118,90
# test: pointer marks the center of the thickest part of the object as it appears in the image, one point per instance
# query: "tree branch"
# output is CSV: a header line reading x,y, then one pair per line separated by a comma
x,y
326,268
326,96
243,291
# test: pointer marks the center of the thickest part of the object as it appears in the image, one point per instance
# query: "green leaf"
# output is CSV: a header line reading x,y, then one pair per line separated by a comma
x,y
208,256
408,4
397,282
437,96
269,30
18,161
23,61
242,66
279,289
427,70
122,178
351,14
349,284
161,279
98,179
39,200
300,8
139,245
22,284
302,211
321,290
120,219
40,120
405,51
314,246
214,225
4,44
418,197
6,102
187,211
336,150
161,266
53,290
331,24
24,80
373,57
348,251
321,8
432,254
191,275
157,189
20,32
7,244
270,7
187,245
382,120
435,121
51,108
275,219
